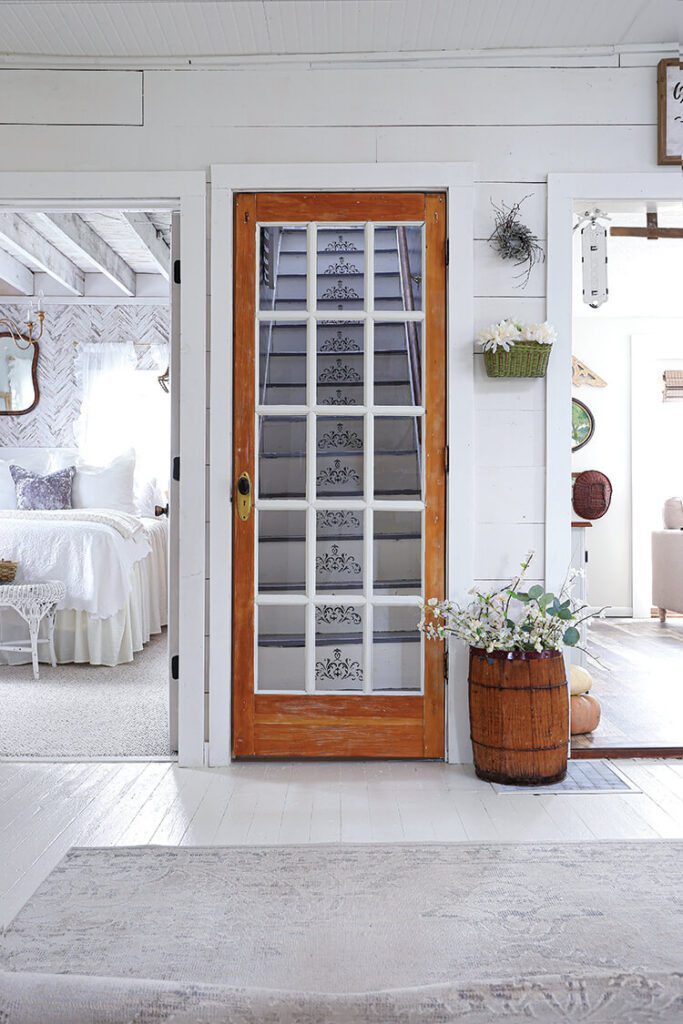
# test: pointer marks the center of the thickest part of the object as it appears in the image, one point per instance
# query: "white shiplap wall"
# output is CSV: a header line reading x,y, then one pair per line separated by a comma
x,y
516,124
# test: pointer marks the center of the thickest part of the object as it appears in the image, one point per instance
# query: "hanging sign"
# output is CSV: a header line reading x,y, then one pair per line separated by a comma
x,y
670,111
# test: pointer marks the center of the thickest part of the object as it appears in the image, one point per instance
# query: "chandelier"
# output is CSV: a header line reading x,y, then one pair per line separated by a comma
x,y
24,338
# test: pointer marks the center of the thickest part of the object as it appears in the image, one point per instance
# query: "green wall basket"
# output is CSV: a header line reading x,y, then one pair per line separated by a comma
x,y
525,359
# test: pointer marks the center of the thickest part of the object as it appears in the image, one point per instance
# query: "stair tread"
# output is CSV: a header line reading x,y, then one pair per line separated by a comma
x,y
297,588
410,495
334,453
346,639
299,353
331,537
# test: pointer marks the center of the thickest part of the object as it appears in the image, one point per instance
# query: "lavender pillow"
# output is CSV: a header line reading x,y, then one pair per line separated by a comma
x,y
34,491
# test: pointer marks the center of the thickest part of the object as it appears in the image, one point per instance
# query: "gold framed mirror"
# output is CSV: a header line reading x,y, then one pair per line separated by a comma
x,y
19,391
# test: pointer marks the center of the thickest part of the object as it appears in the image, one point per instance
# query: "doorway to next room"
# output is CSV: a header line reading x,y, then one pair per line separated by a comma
x,y
85,441
627,414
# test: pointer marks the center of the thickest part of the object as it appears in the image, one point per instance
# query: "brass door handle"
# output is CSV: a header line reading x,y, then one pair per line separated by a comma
x,y
244,496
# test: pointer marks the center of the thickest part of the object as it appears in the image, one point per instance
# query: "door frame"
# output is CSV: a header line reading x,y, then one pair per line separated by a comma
x,y
563,191
457,181
185,191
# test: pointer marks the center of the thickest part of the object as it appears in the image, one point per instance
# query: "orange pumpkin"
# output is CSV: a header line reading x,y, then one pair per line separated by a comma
x,y
585,714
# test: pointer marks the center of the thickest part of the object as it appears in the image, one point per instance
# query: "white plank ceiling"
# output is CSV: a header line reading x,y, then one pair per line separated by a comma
x,y
92,250
129,28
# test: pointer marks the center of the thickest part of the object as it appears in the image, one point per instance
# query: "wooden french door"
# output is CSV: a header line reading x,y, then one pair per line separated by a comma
x,y
339,473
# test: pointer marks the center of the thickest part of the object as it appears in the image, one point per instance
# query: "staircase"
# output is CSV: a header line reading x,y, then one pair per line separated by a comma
x,y
339,452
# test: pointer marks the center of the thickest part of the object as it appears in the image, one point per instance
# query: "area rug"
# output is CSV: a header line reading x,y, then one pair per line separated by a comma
x,y
77,999
86,711
561,925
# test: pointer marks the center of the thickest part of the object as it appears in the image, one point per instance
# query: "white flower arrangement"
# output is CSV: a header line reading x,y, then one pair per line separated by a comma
x,y
506,333
511,619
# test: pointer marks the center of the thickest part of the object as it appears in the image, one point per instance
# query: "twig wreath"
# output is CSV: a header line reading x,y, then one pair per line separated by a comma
x,y
513,240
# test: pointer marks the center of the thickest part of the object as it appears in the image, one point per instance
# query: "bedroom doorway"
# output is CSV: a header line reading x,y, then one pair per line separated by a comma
x,y
87,487
339,473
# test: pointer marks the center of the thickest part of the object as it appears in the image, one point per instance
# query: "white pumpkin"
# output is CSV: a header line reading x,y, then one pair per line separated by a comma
x,y
580,680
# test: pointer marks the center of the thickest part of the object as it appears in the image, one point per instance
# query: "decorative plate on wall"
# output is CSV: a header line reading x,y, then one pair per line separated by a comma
x,y
583,424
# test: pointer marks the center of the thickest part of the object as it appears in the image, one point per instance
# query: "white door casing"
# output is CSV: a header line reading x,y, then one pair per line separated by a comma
x,y
185,192
457,181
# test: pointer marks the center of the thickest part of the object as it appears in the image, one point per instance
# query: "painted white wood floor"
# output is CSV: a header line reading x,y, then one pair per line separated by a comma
x,y
46,808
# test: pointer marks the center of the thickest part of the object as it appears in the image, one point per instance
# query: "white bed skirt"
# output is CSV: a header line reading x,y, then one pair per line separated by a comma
x,y
83,638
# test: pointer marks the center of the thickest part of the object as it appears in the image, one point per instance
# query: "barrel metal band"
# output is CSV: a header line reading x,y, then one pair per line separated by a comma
x,y
518,750
519,689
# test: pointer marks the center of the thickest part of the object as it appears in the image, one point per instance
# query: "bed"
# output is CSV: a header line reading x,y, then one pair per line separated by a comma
x,y
113,564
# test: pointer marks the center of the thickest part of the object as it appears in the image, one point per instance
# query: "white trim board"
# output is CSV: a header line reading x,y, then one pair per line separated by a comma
x,y
646,349
457,180
186,191
563,191
608,55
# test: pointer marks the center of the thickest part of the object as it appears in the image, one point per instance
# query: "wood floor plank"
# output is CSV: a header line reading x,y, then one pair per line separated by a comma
x,y
202,828
148,817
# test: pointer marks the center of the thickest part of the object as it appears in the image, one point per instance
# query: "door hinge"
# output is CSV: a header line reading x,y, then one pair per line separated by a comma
x,y
176,468
446,459
448,251
176,271
445,665
175,671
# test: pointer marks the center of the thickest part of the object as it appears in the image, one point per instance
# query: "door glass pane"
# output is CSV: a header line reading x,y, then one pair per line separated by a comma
x,y
339,371
338,558
398,267
397,546
338,647
398,363
396,648
282,363
281,551
282,268
281,647
398,458
339,465
282,457
341,268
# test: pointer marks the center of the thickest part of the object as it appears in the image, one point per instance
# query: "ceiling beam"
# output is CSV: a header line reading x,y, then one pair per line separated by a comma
x,y
152,241
15,274
86,239
652,231
26,243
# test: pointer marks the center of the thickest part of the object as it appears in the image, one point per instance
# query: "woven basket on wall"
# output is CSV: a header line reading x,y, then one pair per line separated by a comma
x,y
591,494
525,359
8,570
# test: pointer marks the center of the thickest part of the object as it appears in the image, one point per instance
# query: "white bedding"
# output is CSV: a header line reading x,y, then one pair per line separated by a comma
x,y
82,636
91,551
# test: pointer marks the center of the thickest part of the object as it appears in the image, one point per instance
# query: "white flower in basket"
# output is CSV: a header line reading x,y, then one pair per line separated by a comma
x,y
506,333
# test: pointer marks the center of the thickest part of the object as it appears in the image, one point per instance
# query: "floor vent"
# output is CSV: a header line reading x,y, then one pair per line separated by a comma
x,y
584,776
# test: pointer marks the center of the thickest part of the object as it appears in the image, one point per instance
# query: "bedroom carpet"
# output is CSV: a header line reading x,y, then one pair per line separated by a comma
x,y
575,927
86,711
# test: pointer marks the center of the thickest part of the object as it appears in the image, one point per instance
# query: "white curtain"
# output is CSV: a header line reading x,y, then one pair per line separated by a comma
x,y
105,372
123,408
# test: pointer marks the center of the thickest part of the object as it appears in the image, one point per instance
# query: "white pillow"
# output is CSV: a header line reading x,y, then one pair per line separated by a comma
x,y
106,486
673,514
36,460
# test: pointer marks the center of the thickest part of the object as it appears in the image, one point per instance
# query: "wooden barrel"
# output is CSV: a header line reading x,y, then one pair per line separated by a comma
x,y
519,716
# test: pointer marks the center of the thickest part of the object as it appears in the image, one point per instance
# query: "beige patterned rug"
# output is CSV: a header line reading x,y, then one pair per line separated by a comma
x,y
502,929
